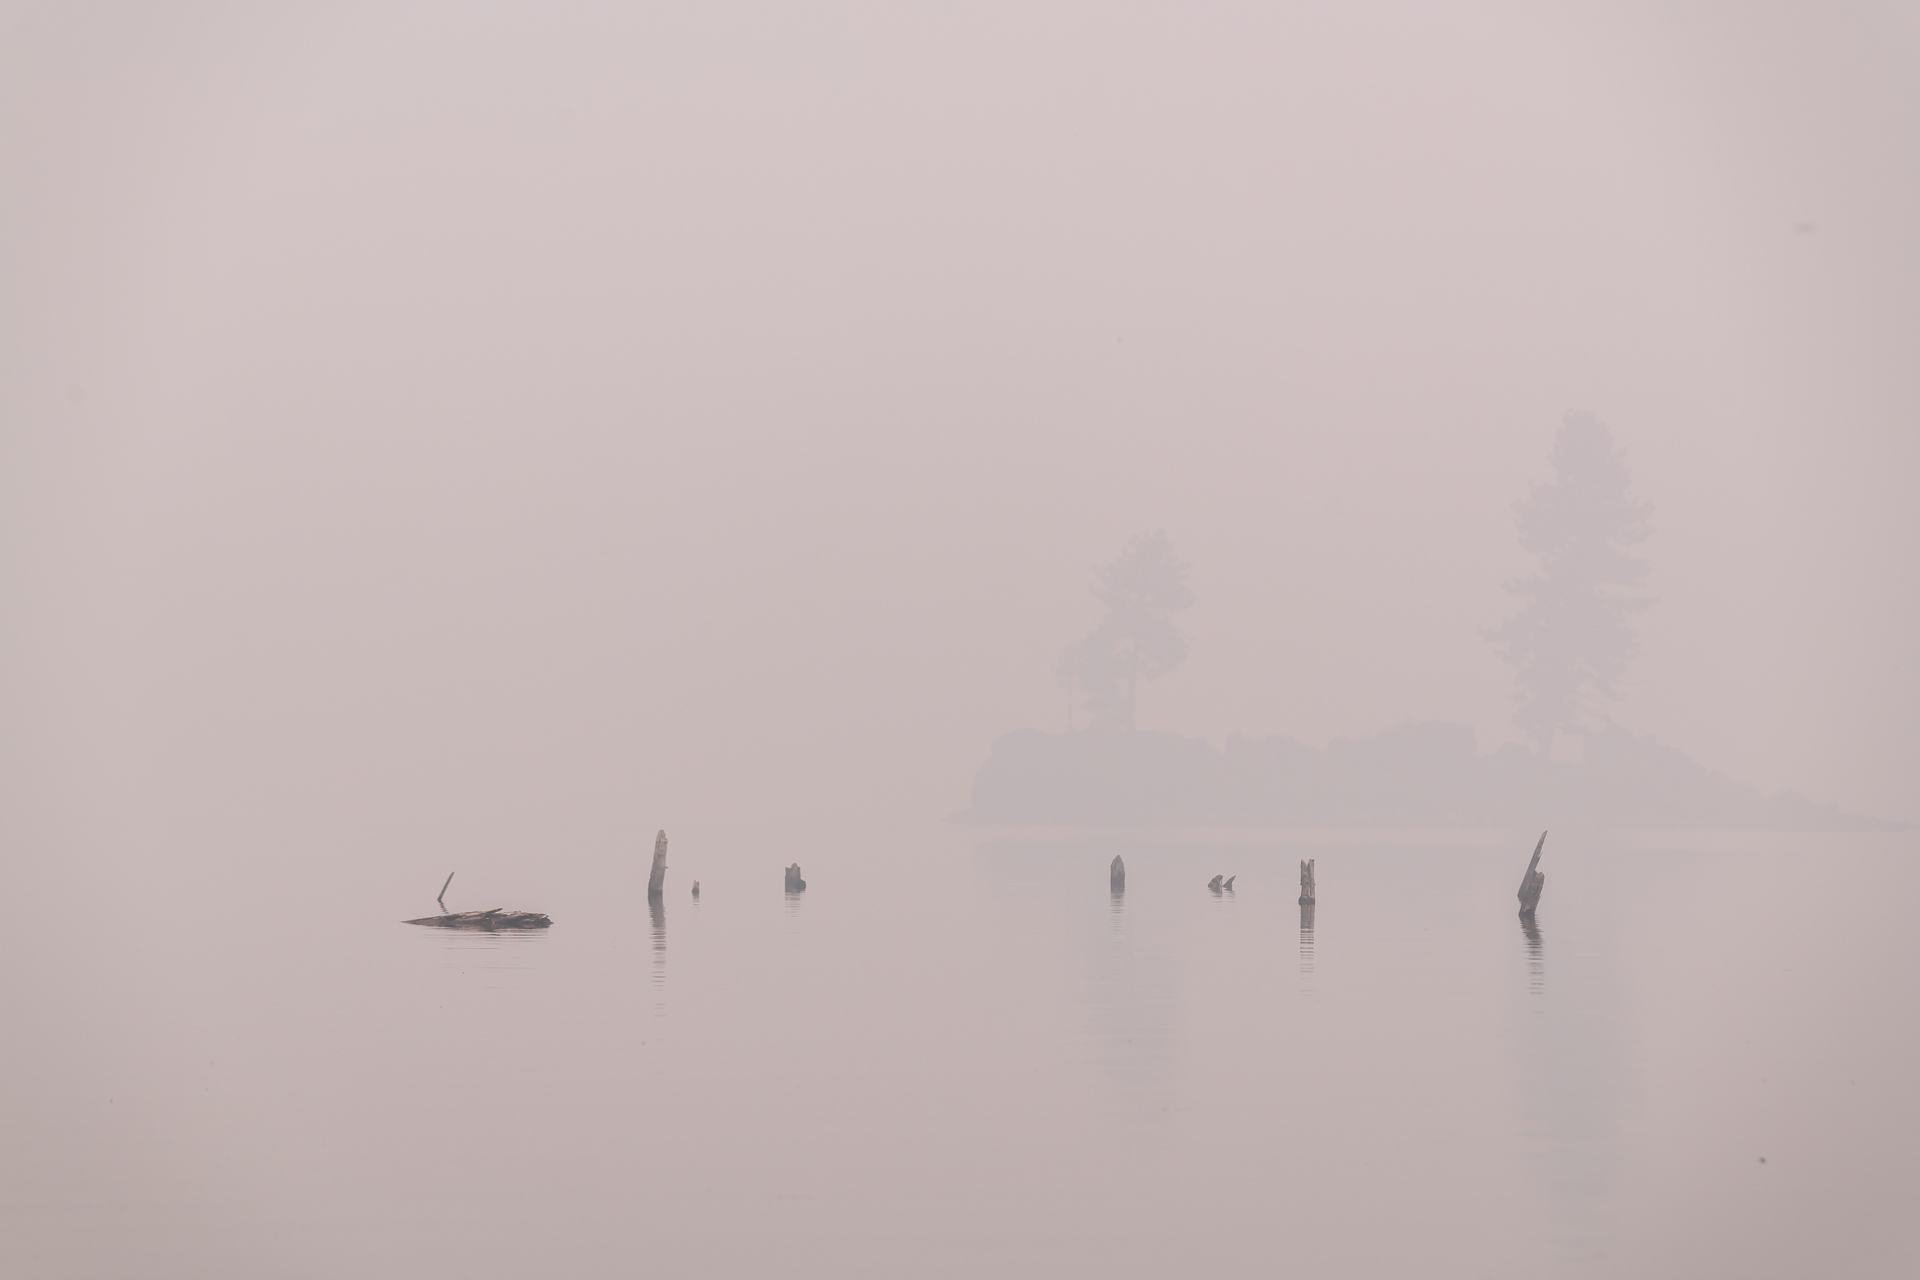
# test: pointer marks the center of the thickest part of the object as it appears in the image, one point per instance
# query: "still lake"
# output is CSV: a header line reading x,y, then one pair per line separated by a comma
x,y
957,1054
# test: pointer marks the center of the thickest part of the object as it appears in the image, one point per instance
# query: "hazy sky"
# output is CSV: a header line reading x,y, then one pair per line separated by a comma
x,y
424,416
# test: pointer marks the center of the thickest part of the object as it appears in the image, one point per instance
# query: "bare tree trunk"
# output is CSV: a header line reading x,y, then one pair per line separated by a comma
x,y
657,879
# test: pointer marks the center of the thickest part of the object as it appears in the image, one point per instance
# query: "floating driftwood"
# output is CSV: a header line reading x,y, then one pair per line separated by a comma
x,y
657,878
1307,898
1533,882
794,883
1117,875
498,918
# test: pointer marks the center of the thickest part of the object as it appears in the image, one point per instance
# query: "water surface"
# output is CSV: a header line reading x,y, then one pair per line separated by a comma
x,y
958,1054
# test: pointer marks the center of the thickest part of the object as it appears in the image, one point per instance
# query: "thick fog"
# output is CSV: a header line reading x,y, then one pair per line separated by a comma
x,y
428,418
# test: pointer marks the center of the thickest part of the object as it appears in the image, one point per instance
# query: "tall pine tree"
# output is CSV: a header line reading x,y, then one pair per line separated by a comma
x,y
1571,641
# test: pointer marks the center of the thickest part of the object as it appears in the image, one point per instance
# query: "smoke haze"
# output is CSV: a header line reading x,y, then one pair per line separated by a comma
x,y
425,419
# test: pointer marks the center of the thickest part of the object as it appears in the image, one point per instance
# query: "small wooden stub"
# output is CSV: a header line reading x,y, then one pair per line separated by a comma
x,y
497,918
1307,894
1117,875
794,883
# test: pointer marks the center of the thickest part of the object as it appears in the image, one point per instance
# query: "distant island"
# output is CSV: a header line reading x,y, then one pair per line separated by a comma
x,y
1417,775
1570,644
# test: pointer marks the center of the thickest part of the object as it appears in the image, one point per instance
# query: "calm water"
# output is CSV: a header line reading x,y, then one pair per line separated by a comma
x,y
957,1055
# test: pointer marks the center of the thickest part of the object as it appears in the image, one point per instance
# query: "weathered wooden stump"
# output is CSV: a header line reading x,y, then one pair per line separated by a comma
x,y
657,878
794,883
1228,886
497,918
1117,875
1214,884
1307,893
696,888
1533,882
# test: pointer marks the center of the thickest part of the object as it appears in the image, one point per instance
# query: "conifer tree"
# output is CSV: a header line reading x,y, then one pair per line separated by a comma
x,y
1571,642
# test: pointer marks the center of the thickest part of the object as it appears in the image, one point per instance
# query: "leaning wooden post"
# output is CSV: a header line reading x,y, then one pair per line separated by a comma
x,y
657,880
1533,882
1117,875
1307,898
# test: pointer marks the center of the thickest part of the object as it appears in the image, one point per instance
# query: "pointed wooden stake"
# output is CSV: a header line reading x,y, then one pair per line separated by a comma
x,y
1533,882
1307,896
1117,875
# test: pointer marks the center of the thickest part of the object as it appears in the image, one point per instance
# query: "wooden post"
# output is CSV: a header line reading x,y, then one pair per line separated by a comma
x,y
657,879
1307,895
696,888
1533,882
794,883
1117,875
442,899
1214,884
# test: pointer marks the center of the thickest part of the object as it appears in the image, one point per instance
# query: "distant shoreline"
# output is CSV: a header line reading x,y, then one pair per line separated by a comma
x,y
1420,776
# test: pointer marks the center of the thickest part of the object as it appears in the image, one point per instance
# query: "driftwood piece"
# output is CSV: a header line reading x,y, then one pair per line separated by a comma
x,y
441,898
1533,882
794,883
497,918
1308,894
657,878
1117,875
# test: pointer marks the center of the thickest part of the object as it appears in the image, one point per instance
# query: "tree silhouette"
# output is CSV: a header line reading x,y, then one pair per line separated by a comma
x,y
1142,590
1571,642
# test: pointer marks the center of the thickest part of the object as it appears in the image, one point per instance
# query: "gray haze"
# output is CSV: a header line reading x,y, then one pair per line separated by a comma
x,y
565,421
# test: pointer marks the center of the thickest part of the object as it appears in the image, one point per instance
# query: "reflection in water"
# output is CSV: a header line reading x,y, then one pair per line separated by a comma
x,y
1306,942
1536,956
1115,912
658,910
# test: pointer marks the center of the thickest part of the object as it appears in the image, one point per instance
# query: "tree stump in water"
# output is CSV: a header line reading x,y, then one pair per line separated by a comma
x,y
1307,896
1117,875
657,879
1533,882
1214,884
794,883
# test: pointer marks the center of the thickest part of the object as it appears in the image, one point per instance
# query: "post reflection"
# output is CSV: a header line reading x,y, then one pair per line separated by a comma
x,y
1536,956
1306,940
658,911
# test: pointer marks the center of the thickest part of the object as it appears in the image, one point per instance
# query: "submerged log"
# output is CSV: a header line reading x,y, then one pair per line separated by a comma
x,y
657,878
1533,882
497,918
1308,894
794,883
1117,875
